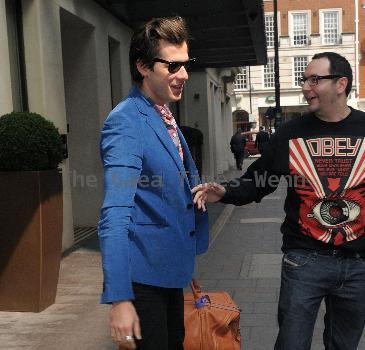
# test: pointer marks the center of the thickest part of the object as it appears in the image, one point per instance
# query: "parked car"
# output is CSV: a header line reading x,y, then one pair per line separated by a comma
x,y
251,150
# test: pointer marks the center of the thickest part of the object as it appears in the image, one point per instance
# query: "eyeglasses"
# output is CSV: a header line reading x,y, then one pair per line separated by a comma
x,y
314,79
175,66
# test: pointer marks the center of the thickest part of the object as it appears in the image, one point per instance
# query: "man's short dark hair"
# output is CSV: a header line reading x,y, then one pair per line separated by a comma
x,y
339,65
145,41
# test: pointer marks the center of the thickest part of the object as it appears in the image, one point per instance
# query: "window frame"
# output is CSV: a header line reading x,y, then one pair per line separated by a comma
x,y
291,26
321,24
272,14
293,69
242,73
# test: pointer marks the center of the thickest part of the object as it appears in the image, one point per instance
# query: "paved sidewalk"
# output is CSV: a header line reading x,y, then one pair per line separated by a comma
x,y
244,259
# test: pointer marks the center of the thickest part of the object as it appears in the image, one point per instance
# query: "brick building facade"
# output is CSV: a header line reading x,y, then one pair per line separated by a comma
x,y
304,28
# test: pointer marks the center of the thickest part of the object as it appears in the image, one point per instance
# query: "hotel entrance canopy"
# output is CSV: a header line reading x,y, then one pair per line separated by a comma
x,y
224,33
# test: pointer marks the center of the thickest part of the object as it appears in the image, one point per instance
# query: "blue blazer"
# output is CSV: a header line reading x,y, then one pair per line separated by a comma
x,y
149,230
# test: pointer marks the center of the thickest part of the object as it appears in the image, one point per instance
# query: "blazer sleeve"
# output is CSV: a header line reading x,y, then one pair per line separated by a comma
x,y
260,179
121,153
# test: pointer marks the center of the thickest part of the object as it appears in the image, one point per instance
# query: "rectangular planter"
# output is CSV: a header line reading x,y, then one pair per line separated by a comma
x,y
31,212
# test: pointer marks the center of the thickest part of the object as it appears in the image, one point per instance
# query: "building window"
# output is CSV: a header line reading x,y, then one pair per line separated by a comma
x,y
330,25
300,28
300,63
269,73
241,80
269,29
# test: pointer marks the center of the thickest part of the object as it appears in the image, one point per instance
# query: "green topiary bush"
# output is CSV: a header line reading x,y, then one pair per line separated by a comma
x,y
28,142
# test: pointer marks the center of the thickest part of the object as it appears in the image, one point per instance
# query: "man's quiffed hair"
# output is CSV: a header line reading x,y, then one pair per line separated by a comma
x,y
339,65
145,41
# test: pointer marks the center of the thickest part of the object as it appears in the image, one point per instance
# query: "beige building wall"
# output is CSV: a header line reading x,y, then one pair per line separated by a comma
x,y
222,125
206,105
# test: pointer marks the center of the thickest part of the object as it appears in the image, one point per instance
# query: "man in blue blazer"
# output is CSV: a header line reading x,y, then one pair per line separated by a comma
x,y
150,231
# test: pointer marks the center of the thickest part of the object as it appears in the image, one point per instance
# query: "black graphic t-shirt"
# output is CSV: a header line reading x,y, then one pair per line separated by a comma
x,y
324,166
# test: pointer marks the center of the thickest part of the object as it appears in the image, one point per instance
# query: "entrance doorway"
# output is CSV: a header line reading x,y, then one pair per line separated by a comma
x,y
80,81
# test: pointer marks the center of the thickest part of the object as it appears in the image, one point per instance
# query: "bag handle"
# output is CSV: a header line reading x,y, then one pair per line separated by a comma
x,y
195,287
199,299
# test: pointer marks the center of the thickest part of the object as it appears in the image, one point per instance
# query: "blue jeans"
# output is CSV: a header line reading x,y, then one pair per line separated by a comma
x,y
307,278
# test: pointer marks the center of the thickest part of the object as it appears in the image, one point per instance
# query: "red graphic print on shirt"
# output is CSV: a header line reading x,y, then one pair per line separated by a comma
x,y
332,190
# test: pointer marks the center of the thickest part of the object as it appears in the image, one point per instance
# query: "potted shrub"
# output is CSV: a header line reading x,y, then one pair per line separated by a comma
x,y
30,211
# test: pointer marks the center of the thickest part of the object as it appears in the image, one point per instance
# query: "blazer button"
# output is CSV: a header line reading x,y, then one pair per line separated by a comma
x,y
189,206
192,233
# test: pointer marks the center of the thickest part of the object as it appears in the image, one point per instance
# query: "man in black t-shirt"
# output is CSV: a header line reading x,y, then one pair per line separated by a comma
x,y
322,157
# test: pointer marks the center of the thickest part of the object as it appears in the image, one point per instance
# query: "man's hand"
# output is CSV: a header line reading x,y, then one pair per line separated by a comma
x,y
209,192
124,323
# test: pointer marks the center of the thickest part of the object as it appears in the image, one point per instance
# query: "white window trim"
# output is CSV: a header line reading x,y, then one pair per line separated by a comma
x,y
293,70
279,26
247,83
309,25
321,23
263,76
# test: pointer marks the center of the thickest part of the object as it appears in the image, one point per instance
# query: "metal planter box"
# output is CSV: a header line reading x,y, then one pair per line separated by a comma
x,y
31,225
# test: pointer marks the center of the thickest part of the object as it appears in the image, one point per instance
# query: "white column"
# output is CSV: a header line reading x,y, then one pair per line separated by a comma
x,y
44,76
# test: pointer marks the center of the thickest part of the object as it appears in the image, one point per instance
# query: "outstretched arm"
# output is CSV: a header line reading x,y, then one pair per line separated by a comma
x,y
209,192
261,178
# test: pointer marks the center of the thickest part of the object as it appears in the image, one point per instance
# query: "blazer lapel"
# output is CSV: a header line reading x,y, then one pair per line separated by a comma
x,y
191,174
155,121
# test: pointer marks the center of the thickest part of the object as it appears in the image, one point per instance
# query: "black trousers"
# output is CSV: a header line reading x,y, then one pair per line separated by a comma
x,y
239,159
161,316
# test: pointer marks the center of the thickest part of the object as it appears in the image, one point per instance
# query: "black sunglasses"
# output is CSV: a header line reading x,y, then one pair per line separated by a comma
x,y
175,66
314,79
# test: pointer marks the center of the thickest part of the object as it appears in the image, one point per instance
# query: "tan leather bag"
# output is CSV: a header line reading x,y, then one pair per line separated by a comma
x,y
211,320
